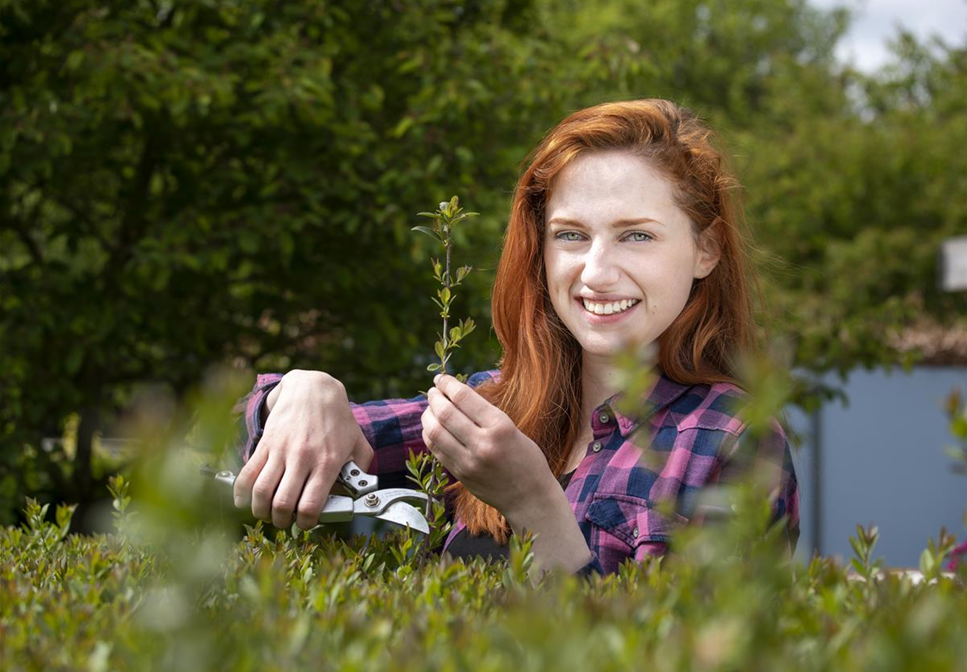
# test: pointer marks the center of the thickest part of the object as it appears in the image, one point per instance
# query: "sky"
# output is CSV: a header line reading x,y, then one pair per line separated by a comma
x,y
875,22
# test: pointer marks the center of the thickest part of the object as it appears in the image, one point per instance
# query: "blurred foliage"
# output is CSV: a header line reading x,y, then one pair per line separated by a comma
x,y
193,600
956,410
234,182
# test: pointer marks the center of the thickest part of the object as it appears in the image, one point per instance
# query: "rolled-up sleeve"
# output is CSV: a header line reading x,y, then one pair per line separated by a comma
x,y
592,568
249,409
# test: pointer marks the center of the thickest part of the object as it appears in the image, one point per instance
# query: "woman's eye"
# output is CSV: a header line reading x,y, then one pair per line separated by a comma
x,y
639,236
565,235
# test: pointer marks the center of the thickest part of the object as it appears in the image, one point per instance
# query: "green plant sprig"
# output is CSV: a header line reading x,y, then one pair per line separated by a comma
x,y
428,475
446,217
426,471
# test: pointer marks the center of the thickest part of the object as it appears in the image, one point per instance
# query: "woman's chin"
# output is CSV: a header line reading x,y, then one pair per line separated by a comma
x,y
597,347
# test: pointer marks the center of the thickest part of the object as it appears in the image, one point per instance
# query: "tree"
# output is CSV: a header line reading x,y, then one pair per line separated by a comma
x,y
184,185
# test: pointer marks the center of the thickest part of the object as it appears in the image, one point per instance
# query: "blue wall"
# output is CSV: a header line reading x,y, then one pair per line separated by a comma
x,y
881,460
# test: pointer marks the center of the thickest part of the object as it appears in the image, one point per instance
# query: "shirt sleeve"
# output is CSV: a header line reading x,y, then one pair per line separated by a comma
x,y
593,567
394,428
249,409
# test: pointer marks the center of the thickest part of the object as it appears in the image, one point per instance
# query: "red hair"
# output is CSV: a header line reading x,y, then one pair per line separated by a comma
x,y
540,372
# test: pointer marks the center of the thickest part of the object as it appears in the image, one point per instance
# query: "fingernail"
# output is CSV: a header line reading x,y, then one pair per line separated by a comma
x,y
239,503
437,378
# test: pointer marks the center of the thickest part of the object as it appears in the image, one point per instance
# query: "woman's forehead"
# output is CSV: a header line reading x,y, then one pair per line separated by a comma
x,y
603,187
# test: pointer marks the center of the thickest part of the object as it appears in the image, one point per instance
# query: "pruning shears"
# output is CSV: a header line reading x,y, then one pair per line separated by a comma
x,y
366,500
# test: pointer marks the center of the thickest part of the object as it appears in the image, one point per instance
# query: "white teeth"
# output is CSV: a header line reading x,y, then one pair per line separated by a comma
x,y
609,308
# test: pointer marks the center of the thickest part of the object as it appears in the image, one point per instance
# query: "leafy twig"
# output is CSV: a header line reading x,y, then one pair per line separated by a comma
x,y
444,220
446,217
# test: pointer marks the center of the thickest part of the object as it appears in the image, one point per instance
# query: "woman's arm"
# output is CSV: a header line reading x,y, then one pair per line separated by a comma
x,y
560,542
390,428
501,466
295,457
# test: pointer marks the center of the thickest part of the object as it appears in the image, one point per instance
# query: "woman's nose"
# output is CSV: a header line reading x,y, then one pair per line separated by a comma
x,y
600,271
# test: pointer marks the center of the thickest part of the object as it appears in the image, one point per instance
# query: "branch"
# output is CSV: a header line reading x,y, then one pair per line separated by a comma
x,y
134,220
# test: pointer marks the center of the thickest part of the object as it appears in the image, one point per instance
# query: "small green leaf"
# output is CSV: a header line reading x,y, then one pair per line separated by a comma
x,y
456,334
439,349
427,230
402,127
857,550
926,562
433,367
444,295
75,60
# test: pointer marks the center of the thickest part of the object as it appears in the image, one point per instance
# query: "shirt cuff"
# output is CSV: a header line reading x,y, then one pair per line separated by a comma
x,y
253,412
593,567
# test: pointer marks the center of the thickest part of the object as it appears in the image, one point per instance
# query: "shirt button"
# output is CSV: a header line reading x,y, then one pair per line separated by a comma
x,y
596,446
634,533
604,417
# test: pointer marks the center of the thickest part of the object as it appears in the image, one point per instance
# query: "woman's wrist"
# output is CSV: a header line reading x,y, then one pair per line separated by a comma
x,y
316,383
560,542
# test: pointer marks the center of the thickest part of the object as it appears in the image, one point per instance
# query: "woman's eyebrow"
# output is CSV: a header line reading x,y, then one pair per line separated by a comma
x,y
619,224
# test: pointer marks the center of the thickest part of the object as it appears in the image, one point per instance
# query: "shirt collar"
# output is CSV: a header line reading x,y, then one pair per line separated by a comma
x,y
662,393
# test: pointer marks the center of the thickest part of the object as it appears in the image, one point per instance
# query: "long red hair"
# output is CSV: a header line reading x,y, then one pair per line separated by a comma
x,y
540,372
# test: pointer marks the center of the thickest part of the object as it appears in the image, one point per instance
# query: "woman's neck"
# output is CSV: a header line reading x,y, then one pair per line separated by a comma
x,y
599,381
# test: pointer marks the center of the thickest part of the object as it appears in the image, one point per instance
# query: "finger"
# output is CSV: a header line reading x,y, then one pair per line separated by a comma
x,y
264,489
313,500
439,440
288,493
480,411
445,411
247,476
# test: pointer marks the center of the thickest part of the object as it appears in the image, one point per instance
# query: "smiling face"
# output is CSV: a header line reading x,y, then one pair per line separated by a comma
x,y
619,254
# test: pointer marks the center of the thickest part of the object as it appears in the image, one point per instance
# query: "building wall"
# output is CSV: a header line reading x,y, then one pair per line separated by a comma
x,y
881,459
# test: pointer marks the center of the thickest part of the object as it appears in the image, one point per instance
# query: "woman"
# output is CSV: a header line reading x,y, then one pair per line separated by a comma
x,y
624,230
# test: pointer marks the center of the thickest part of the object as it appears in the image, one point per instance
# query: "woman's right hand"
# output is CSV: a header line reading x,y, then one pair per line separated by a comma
x,y
309,435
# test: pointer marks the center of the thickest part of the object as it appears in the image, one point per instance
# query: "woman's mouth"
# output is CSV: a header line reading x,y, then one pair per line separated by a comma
x,y
602,312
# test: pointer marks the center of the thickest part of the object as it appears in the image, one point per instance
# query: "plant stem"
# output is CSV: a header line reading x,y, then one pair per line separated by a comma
x,y
446,311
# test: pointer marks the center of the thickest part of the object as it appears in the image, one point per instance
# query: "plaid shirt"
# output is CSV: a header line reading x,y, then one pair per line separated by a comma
x,y
696,440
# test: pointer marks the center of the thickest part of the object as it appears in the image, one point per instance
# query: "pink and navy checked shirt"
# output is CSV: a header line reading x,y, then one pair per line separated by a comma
x,y
694,434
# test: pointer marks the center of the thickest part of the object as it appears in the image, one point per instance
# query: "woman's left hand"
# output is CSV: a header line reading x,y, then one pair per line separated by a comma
x,y
482,447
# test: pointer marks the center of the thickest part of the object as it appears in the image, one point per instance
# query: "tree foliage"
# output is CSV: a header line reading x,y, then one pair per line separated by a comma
x,y
227,181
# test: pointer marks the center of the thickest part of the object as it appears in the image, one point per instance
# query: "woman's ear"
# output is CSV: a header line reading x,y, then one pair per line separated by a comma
x,y
709,250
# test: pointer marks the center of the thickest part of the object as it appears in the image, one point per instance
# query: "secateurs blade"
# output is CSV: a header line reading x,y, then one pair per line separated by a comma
x,y
368,500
